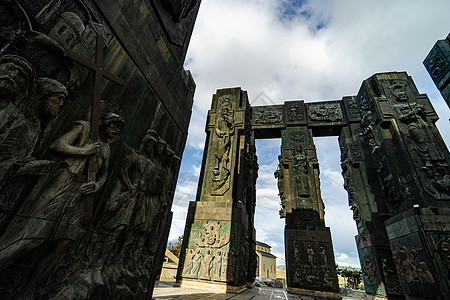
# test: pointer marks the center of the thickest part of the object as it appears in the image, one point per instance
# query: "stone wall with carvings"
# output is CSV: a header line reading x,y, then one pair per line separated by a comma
x,y
219,252
437,63
100,175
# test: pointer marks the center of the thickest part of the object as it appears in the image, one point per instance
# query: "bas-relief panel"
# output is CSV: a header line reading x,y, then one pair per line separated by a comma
x,y
209,254
414,266
87,243
325,112
415,118
267,115
311,266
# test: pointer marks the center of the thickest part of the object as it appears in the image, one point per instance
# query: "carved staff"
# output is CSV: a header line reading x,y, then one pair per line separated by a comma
x,y
99,73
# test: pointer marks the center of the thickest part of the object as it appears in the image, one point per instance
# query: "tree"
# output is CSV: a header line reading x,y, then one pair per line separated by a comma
x,y
175,247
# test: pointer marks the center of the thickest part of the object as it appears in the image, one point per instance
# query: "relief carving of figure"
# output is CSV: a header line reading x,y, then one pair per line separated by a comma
x,y
55,208
188,261
310,255
323,255
211,236
22,137
424,273
408,268
224,129
415,116
207,264
217,264
329,112
368,269
197,262
327,278
301,174
229,265
150,197
131,201
280,182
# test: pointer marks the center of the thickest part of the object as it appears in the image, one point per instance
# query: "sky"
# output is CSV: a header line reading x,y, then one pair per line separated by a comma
x,y
280,50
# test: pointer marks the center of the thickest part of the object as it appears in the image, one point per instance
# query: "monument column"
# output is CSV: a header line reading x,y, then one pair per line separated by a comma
x,y
369,212
310,264
412,164
218,248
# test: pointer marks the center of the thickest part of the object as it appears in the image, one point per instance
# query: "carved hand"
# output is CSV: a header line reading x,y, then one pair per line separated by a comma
x,y
89,188
36,167
91,149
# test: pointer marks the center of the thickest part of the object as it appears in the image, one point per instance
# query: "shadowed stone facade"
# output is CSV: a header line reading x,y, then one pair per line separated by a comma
x,y
396,172
94,110
437,63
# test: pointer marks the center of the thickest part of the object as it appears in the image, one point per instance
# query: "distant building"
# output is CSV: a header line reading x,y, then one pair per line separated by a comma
x,y
169,268
266,262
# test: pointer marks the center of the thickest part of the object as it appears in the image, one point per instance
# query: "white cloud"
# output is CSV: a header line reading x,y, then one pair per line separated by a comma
x,y
244,43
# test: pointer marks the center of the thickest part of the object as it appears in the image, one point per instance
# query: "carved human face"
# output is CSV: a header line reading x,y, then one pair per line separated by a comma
x,y
149,146
12,78
113,130
160,149
53,105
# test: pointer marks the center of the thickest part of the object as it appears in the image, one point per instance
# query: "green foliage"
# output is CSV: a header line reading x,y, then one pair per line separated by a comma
x,y
175,247
353,276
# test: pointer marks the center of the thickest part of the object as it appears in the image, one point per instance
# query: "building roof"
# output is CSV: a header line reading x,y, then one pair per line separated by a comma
x,y
171,256
266,254
262,244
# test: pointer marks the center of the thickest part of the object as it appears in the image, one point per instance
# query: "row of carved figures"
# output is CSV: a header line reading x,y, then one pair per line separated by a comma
x,y
42,220
204,263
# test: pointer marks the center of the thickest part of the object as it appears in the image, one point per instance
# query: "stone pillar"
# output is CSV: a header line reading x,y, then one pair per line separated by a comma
x,y
369,212
412,164
310,264
218,249
437,63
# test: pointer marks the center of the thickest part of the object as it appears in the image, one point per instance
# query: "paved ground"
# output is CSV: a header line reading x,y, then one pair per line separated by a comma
x,y
166,291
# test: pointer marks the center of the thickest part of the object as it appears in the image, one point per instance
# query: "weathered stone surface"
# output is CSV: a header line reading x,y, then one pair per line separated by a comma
x,y
393,159
437,63
93,218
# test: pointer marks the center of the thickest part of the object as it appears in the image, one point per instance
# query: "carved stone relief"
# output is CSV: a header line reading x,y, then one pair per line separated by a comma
x,y
279,175
212,236
408,269
298,140
294,111
267,115
325,112
28,109
311,270
438,64
352,105
419,133
223,131
301,174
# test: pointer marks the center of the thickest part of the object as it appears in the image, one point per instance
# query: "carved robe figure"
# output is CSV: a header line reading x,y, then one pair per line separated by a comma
x,y
188,261
217,264
22,138
301,174
414,115
323,255
131,201
207,264
197,262
229,265
54,210
224,130
310,255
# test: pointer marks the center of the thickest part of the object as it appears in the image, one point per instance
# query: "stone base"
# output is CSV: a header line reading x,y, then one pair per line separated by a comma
x,y
323,295
212,286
